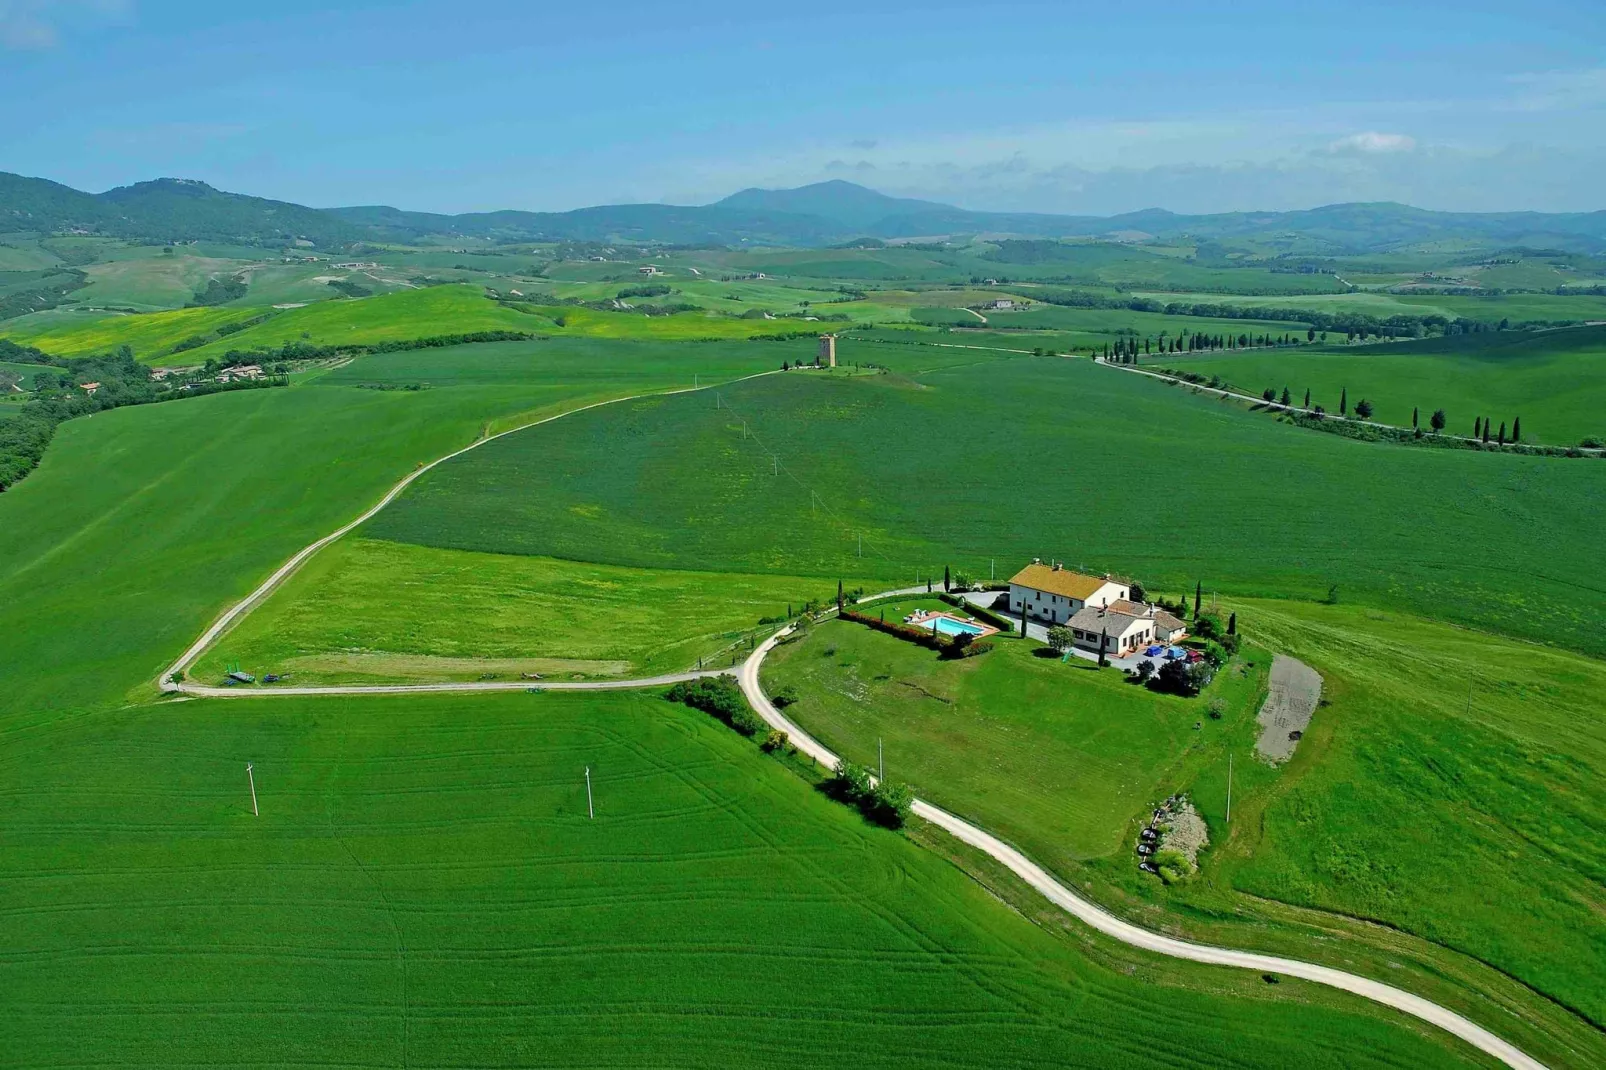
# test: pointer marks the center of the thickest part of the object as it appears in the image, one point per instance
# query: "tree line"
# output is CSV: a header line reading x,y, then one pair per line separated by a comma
x,y
60,394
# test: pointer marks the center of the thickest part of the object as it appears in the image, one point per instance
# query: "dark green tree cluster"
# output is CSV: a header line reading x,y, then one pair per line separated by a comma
x,y
721,698
1480,430
885,803
220,292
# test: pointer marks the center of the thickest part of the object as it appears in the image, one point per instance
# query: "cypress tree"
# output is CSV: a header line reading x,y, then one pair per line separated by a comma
x,y
1477,426
1343,401
1413,417
1486,430
947,584
1198,598
838,594
1232,624
1516,429
1502,432
1104,642
1307,397
1287,397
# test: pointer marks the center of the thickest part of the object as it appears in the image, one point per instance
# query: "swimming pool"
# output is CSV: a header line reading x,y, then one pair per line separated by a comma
x,y
950,626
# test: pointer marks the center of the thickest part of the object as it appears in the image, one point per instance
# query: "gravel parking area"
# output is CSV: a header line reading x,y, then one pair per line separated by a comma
x,y
1296,688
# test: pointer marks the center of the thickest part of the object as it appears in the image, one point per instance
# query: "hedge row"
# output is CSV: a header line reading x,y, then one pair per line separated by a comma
x,y
948,647
718,696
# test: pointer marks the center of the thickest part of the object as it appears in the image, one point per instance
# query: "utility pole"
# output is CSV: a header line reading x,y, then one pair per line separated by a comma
x,y
251,778
880,760
590,810
775,462
1229,788
861,544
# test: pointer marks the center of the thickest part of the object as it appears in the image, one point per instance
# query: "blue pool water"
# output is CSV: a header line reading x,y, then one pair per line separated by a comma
x,y
949,626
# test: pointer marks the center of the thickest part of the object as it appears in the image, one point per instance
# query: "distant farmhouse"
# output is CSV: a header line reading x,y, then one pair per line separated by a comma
x,y
1093,607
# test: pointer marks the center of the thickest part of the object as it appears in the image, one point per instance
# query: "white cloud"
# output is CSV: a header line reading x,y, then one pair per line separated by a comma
x,y
1373,142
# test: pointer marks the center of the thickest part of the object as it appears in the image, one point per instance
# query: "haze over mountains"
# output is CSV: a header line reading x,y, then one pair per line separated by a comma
x,y
824,213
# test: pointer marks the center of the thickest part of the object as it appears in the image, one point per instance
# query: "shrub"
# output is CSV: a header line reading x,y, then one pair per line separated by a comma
x,y
720,697
1209,626
776,740
784,697
1181,678
1173,866
1144,672
886,803
1060,638
969,650
1217,707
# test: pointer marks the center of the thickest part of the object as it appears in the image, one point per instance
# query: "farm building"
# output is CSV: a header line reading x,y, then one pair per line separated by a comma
x,y
1167,628
1054,593
1091,605
1126,633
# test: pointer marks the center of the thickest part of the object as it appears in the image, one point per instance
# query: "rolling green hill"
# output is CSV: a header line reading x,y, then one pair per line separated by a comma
x,y
1030,457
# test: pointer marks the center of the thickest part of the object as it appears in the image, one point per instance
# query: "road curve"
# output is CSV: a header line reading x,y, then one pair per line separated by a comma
x,y
166,683
748,678
1128,933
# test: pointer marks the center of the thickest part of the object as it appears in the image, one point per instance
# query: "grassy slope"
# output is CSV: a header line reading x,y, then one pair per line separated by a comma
x,y
1053,450
387,897
1056,758
191,503
424,887
1455,798
64,333
376,599
1471,828
1555,381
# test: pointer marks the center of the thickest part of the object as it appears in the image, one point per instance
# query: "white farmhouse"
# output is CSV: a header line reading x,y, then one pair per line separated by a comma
x,y
1055,594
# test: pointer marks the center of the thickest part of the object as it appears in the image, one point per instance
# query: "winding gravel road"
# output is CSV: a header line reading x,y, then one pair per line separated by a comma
x,y
1124,931
748,677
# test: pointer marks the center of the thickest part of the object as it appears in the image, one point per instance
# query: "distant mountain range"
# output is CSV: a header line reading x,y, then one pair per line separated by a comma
x,y
825,213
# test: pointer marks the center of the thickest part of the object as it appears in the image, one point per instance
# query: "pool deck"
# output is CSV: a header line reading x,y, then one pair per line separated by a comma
x,y
924,619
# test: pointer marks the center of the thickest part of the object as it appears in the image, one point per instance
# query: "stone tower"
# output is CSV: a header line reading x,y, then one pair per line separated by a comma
x,y
828,350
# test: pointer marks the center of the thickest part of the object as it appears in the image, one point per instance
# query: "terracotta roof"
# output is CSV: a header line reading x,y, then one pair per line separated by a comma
x,y
1090,619
1058,581
1168,622
1131,609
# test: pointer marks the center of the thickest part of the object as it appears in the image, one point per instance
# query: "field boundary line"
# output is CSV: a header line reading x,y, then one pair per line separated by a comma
x,y
1519,449
1128,933
240,609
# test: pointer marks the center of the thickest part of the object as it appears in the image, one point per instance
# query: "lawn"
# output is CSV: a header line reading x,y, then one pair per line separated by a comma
x,y
1003,459
366,611
1057,758
424,887
1554,381
1455,798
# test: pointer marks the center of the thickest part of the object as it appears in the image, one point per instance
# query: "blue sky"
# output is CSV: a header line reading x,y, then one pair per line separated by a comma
x,y
1059,107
